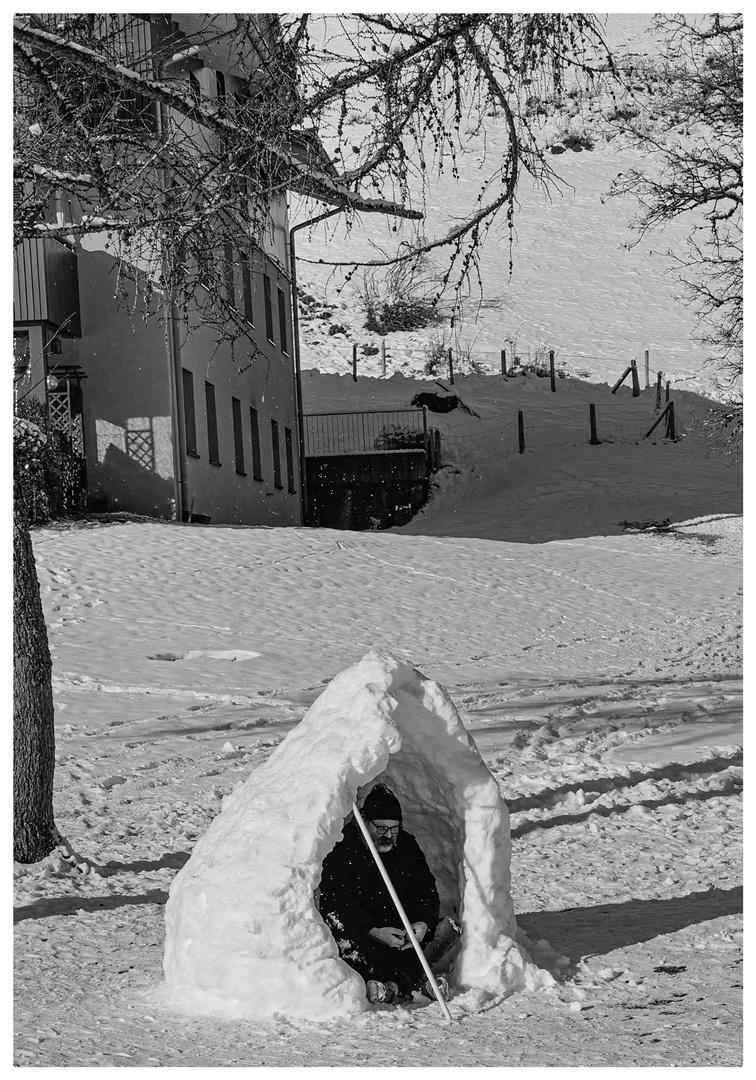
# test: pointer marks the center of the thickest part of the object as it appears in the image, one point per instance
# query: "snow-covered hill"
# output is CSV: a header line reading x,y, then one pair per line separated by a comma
x,y
579,285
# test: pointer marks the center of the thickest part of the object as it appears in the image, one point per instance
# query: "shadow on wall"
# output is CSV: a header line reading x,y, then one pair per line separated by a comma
x,y
121,481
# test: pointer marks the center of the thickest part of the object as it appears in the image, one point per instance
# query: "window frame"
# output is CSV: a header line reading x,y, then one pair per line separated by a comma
x,y
289,445
249,311
268,301
211,417
275,439
229,273
254,420
190,413
283,321
236,420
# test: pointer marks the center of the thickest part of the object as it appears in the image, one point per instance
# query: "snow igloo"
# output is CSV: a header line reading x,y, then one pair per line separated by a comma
x,y
244,937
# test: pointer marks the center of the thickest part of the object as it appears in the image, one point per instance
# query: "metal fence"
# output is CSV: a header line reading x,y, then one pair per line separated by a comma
x,y
368,432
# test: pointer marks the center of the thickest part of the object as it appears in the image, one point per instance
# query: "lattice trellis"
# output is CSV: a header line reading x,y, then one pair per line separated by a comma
x,y
59,410
63,417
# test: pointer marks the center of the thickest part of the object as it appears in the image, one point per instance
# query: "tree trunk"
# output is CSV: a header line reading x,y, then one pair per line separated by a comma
x,y
34,831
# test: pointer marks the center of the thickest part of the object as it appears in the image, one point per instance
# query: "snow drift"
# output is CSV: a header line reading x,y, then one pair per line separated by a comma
x,y
244,937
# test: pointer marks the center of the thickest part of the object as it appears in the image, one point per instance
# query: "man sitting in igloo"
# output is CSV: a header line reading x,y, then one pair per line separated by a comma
x,y
244,936
361,913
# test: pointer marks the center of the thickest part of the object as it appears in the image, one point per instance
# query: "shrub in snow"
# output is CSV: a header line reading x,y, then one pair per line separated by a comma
x,y
244,937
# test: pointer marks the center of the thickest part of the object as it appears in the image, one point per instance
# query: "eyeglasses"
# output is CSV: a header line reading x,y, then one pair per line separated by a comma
x,y
385,830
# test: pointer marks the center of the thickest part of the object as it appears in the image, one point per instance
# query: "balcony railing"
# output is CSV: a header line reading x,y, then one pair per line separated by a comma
x,y
369,432
46,285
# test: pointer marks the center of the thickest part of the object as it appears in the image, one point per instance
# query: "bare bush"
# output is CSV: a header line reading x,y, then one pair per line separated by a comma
x,y
404,297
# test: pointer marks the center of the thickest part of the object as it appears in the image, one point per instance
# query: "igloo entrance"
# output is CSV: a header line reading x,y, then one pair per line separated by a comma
x,y
244,937
429,813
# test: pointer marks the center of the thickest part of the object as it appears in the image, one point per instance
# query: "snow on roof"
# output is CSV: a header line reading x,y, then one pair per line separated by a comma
x,y
244,936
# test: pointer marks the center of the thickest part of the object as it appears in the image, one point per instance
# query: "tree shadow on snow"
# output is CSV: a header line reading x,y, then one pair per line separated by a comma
x,y
604,709
679,798
76,905
630,686
169,861
593,931
631,778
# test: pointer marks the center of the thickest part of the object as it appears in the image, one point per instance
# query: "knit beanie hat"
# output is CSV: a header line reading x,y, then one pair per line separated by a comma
x,y
381,804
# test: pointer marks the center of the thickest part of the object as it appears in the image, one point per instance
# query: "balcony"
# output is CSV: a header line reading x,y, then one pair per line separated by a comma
x,y
46,285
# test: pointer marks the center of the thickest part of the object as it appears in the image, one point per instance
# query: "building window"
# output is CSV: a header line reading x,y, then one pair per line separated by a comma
x,y
289,439
238,436
190,417
276,455
194,86
212,425
249,314
204,269
282,322
228,273
21,356
268,308
256,455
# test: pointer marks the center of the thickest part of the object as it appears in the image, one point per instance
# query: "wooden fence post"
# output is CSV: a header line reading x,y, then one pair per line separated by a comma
x,y
658,390
657,421
671,433
594,435
648,371
504,362
354,362
667,396
620,381
521,430
552,371
383,354
451,367
436,449
636,380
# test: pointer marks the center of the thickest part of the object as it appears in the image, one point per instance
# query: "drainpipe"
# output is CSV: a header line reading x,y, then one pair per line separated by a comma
x,y
173,351
297,354
173,346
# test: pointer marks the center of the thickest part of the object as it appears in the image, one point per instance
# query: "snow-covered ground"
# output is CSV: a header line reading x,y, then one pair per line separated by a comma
x,y
599,674
597,665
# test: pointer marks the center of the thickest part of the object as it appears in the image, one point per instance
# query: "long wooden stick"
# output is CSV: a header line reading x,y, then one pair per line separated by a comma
x,y
402,913
658,420
619,382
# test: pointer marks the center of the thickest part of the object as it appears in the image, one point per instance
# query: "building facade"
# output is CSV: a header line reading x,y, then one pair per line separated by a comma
x,y
172,421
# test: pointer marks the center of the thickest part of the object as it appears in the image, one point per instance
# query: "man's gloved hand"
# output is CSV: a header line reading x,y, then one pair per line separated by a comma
x,y
419,929
388,935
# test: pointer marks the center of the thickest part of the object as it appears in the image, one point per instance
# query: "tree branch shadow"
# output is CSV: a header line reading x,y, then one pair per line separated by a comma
x,y
592,931
169,861
610,811
73,905
603,784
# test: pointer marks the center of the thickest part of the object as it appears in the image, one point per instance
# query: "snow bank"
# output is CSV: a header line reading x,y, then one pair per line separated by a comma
x,y
244,937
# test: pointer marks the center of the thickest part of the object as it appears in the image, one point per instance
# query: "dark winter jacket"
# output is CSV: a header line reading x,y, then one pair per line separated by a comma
x,y
354,895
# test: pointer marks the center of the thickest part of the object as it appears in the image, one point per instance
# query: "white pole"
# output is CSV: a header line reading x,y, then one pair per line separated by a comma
x,y
402,913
